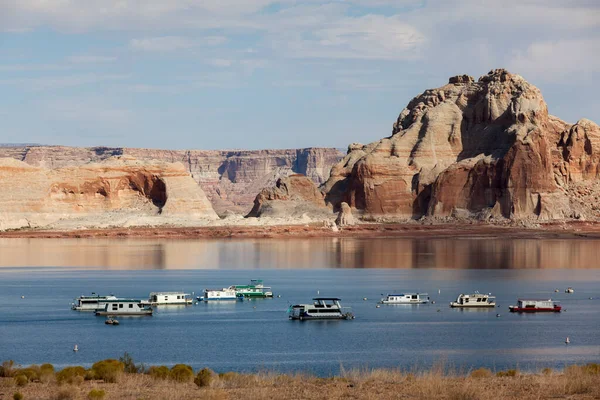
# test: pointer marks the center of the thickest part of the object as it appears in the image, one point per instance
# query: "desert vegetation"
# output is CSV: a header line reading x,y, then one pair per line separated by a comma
x,y
115,379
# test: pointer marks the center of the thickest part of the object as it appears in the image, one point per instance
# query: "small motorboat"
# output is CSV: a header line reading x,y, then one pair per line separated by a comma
x,y
569,290
75,348
111,321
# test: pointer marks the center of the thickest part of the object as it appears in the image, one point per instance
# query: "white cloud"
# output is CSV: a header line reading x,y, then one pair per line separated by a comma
x,y
367,37
552,60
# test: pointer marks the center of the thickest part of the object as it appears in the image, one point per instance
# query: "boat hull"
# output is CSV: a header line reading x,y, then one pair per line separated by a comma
x,y
475,305
319,317
125,314
532,310
404,302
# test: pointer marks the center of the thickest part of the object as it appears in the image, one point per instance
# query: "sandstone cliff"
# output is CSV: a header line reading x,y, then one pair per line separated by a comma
x,y
292,196
38,196
485,148
230,179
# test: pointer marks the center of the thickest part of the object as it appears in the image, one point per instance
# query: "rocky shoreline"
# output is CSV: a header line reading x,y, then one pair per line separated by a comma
x,y
566,230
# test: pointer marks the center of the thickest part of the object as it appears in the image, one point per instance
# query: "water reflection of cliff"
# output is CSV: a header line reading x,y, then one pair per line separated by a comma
x,y
481,253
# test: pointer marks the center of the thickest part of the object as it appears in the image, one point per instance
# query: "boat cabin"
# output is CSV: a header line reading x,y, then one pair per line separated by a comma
x,y
91,303
535,305
169,298
125,307
474,300
406,298
321,308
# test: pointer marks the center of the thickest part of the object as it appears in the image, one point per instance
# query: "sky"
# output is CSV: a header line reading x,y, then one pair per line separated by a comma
x,y
254,74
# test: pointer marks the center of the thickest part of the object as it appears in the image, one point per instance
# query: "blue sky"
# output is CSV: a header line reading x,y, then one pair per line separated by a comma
x,y
231,74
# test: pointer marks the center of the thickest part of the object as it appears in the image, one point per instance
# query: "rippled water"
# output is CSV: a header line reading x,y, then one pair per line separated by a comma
x,y
255,335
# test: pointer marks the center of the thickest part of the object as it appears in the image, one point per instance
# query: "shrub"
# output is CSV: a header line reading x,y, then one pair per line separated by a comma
x,y
481,373
592,368
547,371
46,373
108,370
67,393
182,373
7,369
204,377
32,373
96,394
161,372
17,396
510,373
129,364
21,380
72,375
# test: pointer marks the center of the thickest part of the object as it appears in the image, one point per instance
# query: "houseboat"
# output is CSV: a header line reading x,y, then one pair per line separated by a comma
x,y
474,300
125,307
569,290
219,294
255,289
91,303
535,305
169,298
406,298
322,308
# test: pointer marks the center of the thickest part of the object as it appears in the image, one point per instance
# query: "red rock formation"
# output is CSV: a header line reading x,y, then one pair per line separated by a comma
x,y
487,148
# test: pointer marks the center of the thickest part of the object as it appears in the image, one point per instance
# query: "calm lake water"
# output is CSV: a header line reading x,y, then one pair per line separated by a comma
x,y
256,335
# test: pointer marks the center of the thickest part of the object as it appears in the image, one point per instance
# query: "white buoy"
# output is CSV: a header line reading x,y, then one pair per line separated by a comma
x,y
497,315
22,297
439,291
75,348
433,302
567,341
364,298
318,291
279,296
377,306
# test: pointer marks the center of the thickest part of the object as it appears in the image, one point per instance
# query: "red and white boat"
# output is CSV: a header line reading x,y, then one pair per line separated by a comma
x,y
535,305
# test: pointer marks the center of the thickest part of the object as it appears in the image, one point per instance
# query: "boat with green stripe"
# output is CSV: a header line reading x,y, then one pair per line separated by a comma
x,y
255,289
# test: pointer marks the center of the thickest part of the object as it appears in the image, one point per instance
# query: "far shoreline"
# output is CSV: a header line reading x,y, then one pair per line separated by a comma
x,y
562,230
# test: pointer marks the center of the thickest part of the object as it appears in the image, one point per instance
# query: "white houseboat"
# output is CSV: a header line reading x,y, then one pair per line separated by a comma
x,y
91,303
535,305
406,298
474,300
255,289
219,294
169,298
125,307
322,308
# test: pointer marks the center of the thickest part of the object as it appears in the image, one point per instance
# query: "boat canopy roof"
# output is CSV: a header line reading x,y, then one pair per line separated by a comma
x,y
168,293
326,298
535,300
123,301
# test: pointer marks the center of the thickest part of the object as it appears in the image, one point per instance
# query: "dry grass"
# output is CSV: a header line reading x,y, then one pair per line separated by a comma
x,y
577,382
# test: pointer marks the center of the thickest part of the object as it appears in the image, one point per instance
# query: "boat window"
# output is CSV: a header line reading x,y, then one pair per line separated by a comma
x,y
414,296
115,307
120,305
131,306
466,300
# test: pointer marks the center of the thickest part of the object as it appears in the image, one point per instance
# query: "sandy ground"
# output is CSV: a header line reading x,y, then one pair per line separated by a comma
x,y
320,229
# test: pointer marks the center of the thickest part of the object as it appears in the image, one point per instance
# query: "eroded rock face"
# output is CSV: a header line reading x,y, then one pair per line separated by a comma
x,y
41,195
345,217
292,196
230,179
480,146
